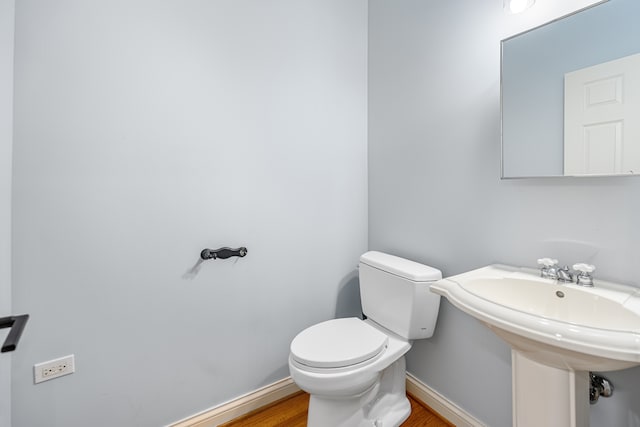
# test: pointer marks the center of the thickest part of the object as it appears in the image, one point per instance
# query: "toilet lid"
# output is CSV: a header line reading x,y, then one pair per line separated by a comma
x,y
337,343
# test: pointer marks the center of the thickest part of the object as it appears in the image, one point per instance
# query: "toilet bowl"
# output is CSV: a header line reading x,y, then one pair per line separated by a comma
x,y
346,381
353,369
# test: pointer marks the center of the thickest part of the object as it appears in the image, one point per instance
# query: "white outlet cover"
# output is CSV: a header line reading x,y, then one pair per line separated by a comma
x,y
55,368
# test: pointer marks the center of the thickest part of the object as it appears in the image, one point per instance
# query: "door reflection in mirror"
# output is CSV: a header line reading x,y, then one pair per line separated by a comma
x,y
601,118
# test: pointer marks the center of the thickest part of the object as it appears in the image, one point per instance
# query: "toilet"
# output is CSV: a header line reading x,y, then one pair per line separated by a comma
x,y
353,369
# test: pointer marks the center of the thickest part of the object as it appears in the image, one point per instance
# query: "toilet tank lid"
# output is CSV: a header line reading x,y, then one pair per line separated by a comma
x,y
405,268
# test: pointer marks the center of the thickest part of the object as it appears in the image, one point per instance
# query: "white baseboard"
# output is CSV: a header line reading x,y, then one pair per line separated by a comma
x,y
447,409
286,387
240,406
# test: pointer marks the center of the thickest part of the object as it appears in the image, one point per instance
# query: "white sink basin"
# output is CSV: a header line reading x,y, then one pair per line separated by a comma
x,y
564,326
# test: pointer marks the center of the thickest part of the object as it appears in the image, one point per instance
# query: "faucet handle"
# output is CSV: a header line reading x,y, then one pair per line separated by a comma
x,y
547,262
584,268
584,277
549,268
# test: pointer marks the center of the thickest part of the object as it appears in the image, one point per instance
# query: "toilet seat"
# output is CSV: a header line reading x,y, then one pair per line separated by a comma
x,y
338,343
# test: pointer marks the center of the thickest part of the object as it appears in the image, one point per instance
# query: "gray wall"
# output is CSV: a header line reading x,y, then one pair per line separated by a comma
x,y
6,125
435,195
146,131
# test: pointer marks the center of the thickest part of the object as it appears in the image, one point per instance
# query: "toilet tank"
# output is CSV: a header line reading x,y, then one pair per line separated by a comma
x,y
395,294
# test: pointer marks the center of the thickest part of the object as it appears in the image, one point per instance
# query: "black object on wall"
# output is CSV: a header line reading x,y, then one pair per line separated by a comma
x,y
223,253
17,324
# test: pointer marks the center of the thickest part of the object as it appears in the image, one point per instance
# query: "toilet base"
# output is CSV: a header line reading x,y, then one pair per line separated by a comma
x,y
384,404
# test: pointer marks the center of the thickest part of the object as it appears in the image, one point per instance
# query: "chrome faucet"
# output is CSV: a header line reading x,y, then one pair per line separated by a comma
x,y
564,275
582,272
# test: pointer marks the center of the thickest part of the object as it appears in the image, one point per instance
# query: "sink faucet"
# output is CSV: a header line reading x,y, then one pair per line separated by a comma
x,y
564,275
550,270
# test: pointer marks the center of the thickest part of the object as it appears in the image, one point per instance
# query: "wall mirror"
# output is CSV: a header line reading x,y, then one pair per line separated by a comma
x,y
571,95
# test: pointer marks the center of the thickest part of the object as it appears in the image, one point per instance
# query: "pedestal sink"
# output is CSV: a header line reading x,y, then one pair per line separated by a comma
x,y
557,332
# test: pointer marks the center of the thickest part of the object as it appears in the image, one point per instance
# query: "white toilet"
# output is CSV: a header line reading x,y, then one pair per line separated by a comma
x,y
354,369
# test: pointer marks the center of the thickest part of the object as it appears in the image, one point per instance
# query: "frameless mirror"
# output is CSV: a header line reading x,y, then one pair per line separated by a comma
x,y
571,95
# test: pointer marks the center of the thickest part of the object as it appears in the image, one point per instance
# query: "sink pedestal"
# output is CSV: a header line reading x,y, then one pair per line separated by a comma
x,y
547,396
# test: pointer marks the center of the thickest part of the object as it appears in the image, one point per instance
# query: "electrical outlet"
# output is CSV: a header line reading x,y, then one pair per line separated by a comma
x,y
46,371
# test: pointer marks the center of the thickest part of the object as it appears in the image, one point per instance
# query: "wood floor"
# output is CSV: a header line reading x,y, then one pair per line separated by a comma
x,y
292,412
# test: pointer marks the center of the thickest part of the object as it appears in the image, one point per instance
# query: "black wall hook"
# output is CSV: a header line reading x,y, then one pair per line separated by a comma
x,y
223,253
